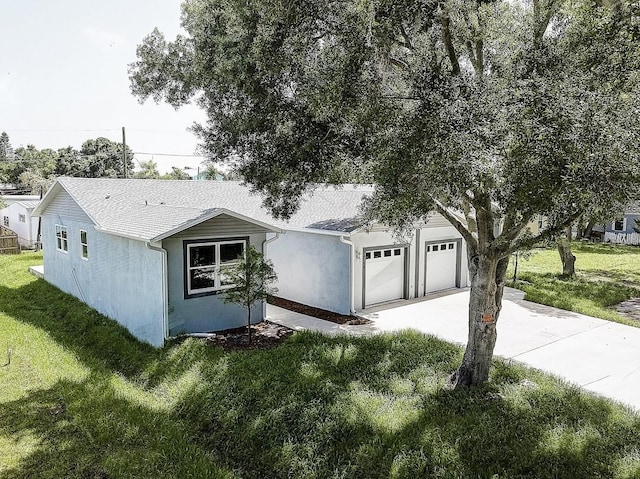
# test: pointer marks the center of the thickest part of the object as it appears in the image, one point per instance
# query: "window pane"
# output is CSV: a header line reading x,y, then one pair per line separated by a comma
x,y
368,255
85,252
450,245
202,255
229,253
396,252
435,247
203,278
83,237
387,252
377,254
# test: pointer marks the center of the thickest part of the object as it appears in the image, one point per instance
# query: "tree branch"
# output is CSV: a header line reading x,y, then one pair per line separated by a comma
x,y
448,43
472,242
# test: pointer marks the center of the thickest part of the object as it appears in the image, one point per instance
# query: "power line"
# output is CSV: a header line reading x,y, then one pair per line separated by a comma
x,y
167,154
60,129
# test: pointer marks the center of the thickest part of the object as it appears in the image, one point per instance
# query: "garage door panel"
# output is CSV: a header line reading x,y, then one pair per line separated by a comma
x,y
441,266
384,275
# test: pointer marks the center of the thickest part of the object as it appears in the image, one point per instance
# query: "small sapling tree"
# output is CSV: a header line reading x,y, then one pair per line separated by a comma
x,y
254,277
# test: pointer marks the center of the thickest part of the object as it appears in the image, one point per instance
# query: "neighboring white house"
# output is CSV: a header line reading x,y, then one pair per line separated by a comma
x,y
18,217
151,253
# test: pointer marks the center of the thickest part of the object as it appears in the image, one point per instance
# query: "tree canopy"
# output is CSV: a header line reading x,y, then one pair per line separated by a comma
x,y
491,113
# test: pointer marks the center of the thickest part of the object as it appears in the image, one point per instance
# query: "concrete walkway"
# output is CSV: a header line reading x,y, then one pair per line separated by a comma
x,y
599,355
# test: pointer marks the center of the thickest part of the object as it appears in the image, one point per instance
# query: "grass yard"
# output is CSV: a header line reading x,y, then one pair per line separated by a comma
x,y
83,399
605,276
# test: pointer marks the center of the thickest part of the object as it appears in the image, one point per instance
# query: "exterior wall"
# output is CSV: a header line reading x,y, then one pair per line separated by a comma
x,y
121,278
313,269
629,223
206,313
26,231
436,229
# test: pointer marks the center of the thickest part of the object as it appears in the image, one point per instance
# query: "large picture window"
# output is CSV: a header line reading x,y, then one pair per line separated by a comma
x,y
206,263
62,243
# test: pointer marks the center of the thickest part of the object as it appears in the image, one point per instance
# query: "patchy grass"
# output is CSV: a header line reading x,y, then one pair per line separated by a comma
x,y
605,276
83,399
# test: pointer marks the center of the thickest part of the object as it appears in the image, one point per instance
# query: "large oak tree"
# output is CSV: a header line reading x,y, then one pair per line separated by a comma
x,y
489,112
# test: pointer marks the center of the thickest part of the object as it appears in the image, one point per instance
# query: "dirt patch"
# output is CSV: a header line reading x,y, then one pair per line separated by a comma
x,y
317,312
264,335
630,309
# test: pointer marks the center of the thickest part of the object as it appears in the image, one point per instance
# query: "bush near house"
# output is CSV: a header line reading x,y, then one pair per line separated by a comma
x,y
605,276
82,398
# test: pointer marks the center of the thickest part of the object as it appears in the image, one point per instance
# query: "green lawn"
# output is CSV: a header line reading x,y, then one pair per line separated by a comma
x,y
83,399
605,276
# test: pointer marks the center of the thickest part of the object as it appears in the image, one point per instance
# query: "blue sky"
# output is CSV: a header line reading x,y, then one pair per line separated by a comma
x,y
63,71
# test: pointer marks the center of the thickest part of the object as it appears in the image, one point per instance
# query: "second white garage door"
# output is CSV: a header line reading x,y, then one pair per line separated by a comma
x,y
440,266
384,275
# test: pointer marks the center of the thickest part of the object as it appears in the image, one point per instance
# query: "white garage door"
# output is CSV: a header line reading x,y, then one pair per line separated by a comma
x,y
440,269
384,275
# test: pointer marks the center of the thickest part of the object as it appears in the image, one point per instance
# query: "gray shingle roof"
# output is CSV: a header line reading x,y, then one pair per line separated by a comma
x,y
29,205
149,209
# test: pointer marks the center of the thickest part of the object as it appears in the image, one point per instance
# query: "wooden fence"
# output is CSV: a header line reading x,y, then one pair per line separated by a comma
x,y
622,238
8,241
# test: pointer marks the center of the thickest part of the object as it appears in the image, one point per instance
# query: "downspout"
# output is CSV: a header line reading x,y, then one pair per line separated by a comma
x,y
264,253
352,278
165,289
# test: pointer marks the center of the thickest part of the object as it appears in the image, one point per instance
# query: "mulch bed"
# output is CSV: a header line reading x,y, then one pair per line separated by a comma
x,y
316,312
630,308
264,335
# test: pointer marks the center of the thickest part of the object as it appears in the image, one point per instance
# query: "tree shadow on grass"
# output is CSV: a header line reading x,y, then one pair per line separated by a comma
x,y
87,429
379,408
315,407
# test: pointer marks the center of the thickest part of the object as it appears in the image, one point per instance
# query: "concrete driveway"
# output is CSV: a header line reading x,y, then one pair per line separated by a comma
x,y
599,355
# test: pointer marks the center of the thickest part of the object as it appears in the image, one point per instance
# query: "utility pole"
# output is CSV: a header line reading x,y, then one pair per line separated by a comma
x,y
124,153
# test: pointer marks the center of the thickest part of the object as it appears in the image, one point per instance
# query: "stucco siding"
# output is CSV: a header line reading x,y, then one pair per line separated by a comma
x,y
121,278
313,269
204,313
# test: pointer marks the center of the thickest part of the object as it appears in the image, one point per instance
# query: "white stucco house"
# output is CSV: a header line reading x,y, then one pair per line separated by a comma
x,y
17,215
151,254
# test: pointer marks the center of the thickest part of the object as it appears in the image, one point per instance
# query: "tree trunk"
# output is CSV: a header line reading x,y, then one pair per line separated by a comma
x,y
249,322
588,229
487,285
566,256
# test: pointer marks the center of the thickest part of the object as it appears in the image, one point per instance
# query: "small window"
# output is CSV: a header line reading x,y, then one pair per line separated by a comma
x,y
367,255
428,249
450,245
5,221
62,243
618,225
435,247
22,218
387,252
540,223
84,244
377,254
396,252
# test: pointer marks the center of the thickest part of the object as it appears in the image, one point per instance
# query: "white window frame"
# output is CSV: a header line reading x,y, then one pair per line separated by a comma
x,y
62,240
22,218
84,245
217,267
5,221
624,224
